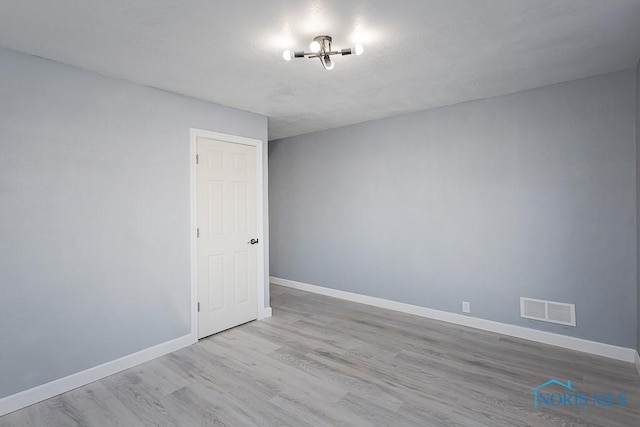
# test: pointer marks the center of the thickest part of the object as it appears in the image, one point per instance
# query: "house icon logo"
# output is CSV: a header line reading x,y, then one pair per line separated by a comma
x,y
537,393
569,396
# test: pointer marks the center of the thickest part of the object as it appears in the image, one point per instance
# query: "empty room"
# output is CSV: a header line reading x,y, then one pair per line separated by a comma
x,y
319,213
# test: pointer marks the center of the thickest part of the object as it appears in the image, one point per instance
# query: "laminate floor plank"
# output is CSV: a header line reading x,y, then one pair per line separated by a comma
x,y
97,407
321,361
140,398
278,375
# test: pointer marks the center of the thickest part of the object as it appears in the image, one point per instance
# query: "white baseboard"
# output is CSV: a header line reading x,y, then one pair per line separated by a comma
x,y
266,312
637,357
62,385
572,343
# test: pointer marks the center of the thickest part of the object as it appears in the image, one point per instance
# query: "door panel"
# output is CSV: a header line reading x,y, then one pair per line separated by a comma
x,y
227,221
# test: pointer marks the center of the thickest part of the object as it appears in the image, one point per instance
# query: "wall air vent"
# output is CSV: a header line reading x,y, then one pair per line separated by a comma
x,y
548,311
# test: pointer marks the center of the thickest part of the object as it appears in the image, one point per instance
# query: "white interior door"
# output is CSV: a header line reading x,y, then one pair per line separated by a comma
x,y
227,218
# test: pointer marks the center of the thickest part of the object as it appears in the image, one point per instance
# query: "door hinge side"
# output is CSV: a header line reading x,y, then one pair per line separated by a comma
x,y
197,159
198,307
198,233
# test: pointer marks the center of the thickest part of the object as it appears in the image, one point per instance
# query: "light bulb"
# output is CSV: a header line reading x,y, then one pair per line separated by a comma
x,y
315,46
359,49
286,55
327,62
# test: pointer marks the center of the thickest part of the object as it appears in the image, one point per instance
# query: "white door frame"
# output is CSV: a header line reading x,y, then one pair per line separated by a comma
x,y
260,282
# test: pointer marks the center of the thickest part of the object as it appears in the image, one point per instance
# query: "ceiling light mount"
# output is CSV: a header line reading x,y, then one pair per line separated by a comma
x,y
320,47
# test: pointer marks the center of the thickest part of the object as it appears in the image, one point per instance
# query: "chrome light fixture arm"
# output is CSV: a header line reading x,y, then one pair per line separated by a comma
x,y
321,48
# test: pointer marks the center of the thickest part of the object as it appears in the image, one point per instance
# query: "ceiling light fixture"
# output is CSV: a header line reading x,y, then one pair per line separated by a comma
x,y
321,48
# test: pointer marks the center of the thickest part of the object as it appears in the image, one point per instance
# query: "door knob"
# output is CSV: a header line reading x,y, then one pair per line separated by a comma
x,y
253,241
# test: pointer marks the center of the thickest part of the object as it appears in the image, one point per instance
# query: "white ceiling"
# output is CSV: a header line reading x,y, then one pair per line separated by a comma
x,y
418,54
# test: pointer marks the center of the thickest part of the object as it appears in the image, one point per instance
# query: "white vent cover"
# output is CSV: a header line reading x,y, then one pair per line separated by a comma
x,y
548,311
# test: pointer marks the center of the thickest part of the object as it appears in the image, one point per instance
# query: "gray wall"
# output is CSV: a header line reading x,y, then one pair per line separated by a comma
x,y
638,197
529,194
94,216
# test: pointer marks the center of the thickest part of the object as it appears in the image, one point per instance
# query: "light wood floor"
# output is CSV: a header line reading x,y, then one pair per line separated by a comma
x,y
320,361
